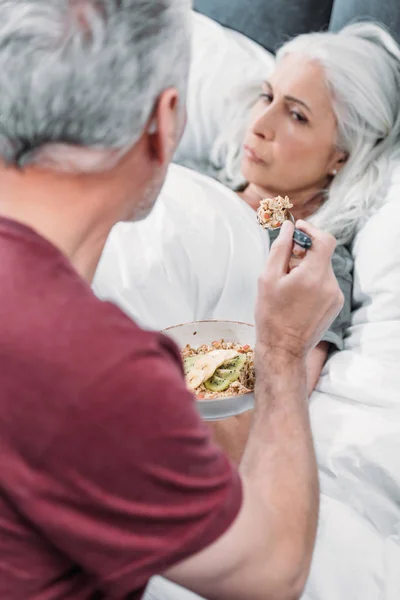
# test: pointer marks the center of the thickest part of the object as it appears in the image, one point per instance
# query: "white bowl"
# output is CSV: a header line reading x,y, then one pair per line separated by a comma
x,y
205,332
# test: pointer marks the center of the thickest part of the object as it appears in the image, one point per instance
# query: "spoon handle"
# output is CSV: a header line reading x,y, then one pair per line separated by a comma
x,y
302,239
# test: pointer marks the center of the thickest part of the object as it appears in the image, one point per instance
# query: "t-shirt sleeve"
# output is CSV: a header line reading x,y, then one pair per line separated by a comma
x,y
342,264
132,484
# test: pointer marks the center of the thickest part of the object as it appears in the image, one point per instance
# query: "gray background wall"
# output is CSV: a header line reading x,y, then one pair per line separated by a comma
x,y
384,11
268,22
271,22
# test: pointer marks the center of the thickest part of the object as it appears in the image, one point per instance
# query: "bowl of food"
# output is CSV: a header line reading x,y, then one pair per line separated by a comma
x,y
218,359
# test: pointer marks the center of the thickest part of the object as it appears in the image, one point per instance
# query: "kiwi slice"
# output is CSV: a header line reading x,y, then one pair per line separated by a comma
x,y
226,374
236,363
188,363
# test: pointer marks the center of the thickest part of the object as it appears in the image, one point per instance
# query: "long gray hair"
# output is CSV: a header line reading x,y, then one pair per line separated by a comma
x,y
80,78
362,69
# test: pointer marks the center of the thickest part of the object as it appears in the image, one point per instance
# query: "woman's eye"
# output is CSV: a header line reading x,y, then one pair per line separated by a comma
x,y
298,117
266,97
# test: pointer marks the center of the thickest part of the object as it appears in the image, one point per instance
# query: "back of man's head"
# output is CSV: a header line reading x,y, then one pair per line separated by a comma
x,y
85,73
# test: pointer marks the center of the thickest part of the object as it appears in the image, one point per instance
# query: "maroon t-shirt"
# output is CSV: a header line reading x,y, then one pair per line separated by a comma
x,y
107,475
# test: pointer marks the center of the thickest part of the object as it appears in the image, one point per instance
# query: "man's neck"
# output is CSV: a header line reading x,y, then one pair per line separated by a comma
x,y
68,211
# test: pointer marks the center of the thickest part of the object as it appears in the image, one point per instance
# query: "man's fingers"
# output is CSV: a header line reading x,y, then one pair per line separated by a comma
x,y
307,228
319,256
294,262
313,261
321,239
281,250
299,251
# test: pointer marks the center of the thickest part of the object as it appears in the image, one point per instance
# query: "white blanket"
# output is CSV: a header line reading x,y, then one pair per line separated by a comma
x,y
197,256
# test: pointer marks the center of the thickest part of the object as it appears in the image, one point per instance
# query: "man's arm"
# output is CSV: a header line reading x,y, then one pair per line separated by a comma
x,y
232,434
267,551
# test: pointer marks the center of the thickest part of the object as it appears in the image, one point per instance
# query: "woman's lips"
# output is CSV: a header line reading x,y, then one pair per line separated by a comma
x,y
251,155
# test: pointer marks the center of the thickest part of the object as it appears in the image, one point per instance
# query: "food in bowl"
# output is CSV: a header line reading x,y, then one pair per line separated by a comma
x,y
273,212
219,370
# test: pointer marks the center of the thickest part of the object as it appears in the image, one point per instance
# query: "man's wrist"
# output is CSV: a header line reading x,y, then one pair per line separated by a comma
x,y
278,357
281,377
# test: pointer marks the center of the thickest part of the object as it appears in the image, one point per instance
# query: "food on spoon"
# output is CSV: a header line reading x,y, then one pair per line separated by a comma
x,y
273,212
219,370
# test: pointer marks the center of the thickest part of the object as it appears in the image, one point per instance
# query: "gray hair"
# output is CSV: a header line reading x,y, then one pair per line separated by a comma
x,y
362,69
79,79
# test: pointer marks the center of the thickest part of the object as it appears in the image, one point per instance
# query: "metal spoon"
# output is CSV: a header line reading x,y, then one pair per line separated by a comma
x,y
302,239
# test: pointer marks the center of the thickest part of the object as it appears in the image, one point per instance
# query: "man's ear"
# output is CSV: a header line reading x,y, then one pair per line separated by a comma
x,y
164,126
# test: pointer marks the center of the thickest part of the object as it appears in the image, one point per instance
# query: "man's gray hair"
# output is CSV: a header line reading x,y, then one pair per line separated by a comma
x,y
85,74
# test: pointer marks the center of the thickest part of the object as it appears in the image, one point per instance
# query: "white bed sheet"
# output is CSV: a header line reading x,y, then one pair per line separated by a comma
x,y
355,415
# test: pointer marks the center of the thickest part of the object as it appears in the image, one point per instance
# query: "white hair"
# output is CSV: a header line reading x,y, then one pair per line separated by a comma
x,y
79,79
362,70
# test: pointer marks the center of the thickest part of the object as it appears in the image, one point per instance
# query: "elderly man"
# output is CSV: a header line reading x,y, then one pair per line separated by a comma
x,y
107,474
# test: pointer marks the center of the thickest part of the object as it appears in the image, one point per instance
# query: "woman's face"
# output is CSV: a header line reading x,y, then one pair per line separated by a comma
x,y
290,146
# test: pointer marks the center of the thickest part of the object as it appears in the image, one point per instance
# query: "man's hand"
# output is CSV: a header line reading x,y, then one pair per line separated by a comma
x,y
296,305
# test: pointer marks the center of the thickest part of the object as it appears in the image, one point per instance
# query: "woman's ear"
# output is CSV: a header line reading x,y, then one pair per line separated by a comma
x,y
338,162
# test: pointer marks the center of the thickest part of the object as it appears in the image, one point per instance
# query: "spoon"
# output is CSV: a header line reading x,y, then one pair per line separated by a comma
x,y
302,239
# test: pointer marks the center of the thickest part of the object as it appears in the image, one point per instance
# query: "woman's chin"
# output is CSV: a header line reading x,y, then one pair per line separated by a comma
x,y
253,173
250,169
246,169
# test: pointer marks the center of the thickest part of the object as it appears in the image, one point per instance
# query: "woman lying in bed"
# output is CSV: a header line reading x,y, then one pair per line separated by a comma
x,y
324,131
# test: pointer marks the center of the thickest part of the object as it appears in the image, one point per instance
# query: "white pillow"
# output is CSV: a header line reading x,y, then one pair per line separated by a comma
x,y
225,65
368,369
377,263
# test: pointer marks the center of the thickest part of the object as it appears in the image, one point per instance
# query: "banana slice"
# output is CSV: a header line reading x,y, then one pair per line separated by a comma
x,y
205,366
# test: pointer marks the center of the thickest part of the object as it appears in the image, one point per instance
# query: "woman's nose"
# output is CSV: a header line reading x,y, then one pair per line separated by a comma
x,y
264,126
